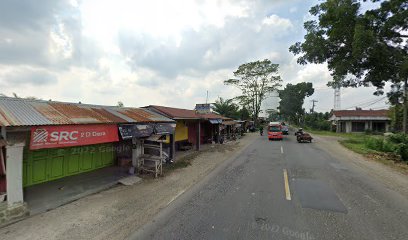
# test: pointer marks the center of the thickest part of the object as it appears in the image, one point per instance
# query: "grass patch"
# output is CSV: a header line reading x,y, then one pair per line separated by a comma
x,y
374,147
181,163
357,145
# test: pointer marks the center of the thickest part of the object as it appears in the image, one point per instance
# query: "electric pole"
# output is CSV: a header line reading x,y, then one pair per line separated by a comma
x,y
313,105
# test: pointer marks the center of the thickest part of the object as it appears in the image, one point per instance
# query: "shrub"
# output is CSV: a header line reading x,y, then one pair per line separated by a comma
x,y
374,144
398,138
402,150
388,146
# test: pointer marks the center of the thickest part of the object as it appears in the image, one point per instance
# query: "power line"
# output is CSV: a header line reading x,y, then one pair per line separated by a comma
x,y
382,107
362,102
376,101
366,103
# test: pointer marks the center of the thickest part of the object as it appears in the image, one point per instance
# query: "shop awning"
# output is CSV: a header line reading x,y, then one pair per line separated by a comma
x,y
215,121
127,131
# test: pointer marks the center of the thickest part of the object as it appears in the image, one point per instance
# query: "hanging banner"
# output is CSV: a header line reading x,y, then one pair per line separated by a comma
x,y
72,135
164,128
127,131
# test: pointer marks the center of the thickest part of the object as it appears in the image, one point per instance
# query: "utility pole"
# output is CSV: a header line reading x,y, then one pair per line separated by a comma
x,y
404,105
313,106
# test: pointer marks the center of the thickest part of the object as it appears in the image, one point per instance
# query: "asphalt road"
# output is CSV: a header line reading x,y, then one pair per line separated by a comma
x,y
249,198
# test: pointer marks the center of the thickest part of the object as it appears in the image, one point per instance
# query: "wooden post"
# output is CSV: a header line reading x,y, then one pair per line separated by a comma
x,y
173,147
3,133
3,157
198,135
135,157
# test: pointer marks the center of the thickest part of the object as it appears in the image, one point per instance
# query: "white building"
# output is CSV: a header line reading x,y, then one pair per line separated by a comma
x,y
360,120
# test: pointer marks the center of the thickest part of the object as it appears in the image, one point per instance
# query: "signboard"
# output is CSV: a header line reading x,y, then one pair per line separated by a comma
x,y
164,128
215,121
143,130
127,131
203,108
72,135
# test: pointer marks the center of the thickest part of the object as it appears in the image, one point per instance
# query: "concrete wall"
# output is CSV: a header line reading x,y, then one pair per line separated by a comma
x,y
14,173
15,208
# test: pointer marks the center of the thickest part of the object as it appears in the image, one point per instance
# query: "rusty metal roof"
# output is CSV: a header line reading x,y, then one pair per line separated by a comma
x,y
179,113
25,112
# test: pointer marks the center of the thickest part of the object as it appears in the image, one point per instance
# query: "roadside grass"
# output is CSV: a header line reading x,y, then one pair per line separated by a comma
x,y
365,145
181,163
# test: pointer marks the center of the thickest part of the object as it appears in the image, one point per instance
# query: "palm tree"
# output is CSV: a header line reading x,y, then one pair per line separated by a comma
x,y
226,107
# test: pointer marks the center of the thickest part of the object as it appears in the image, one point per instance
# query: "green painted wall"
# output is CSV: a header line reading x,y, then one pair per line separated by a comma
x,y
48,164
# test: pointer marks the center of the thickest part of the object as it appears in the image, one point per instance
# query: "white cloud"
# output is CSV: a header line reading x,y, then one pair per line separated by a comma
x,y
277,22
150,52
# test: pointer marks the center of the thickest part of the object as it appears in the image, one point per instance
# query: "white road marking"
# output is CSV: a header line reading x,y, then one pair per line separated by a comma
x,y
281,149
287,189
174,198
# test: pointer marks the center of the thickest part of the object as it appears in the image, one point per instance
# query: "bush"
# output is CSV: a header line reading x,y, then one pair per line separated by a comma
x,y
388,146
375,144
398,138
402,150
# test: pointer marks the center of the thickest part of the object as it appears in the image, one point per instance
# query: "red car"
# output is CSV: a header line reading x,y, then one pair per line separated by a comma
x,y
275,131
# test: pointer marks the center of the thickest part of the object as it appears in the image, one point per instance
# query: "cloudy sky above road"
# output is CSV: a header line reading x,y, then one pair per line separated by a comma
x,y
153,52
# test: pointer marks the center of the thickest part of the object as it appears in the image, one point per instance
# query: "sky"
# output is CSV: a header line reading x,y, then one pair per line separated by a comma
x,y
155,52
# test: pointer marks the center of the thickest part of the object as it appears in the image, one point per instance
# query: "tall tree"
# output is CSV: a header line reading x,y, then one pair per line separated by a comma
x,y
255,80
244,113
360,47
292,99
226,107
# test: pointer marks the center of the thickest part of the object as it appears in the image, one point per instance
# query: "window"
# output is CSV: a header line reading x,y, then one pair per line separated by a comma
x,y
357,126
274,129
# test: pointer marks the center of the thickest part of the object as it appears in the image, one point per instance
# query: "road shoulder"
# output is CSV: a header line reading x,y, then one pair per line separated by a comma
x,y
118,212
389,176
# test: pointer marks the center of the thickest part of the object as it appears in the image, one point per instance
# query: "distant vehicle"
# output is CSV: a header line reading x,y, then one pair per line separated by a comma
x,y
302,136
285,129
275,131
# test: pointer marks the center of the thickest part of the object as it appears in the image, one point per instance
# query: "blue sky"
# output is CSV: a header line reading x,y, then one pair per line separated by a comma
x,y
152,52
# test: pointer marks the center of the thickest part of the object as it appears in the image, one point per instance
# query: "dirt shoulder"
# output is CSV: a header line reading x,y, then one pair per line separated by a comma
x,y
119,211
393,178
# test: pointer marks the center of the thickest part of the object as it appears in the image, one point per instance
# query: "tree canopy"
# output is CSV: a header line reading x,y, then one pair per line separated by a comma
x,y
360,47
226,107
292,99
255,80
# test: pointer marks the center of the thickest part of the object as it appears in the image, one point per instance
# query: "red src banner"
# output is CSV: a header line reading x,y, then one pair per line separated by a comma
x,y
72,135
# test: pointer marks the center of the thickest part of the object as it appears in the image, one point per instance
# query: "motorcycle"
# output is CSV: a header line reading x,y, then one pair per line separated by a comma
x,y
261,132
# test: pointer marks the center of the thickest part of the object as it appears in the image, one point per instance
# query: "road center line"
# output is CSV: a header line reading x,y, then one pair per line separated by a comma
x,y
287,190
281,149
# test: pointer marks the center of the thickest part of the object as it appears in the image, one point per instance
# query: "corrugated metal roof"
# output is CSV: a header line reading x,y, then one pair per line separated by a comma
x,y
179,113
25,112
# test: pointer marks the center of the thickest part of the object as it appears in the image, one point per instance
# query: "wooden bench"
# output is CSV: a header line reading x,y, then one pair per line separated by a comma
x,y
151,163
